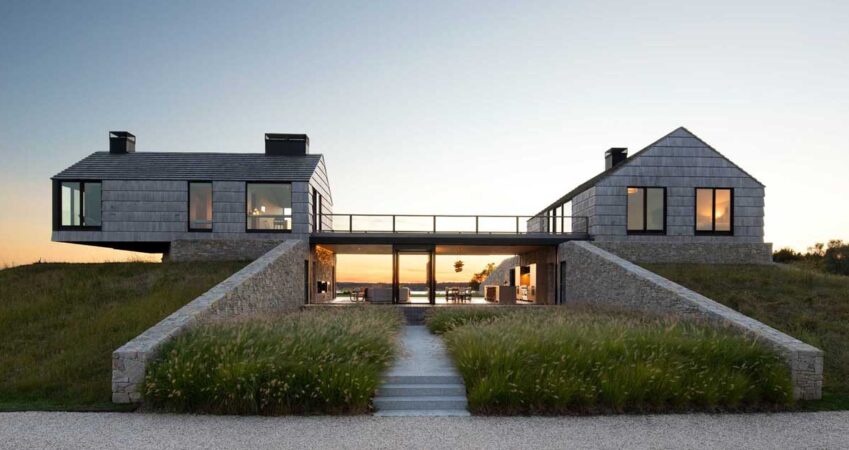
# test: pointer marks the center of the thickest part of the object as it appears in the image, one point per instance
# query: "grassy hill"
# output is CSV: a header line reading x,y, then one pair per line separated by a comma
x,y
803,303
59,324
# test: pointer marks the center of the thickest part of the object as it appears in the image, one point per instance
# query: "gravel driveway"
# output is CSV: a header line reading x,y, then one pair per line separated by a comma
x,y
160,431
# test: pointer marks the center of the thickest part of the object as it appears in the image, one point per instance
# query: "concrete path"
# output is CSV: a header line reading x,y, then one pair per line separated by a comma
x,y
423,381
162,431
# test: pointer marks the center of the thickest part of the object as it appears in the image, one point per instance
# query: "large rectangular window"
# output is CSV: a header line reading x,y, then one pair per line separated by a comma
x,y
646,210
79,205
714,211
200,206
269,207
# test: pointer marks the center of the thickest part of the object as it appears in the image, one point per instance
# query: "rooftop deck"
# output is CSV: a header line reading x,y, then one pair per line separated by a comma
x,y
381,229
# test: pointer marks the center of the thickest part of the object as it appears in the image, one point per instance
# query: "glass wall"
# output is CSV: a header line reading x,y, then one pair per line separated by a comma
x,y
269,207
200,206
79,204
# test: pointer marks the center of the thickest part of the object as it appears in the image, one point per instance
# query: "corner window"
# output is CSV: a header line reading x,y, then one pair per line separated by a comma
x,y
714,211
646,210
200,206
79,205
269,207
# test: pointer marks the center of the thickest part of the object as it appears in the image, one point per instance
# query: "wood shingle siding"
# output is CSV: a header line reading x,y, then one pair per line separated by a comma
x,y
145,195
679,162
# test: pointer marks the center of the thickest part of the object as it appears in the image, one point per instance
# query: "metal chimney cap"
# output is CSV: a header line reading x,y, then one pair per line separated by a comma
x,y
123,135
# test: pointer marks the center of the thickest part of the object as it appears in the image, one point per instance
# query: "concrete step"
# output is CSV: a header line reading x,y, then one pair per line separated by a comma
x,y
414,315
420,390
423,379
421,403
423,412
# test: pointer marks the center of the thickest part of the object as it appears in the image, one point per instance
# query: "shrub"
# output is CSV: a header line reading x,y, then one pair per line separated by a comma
x,y
830,258
318,361
787,255
589,362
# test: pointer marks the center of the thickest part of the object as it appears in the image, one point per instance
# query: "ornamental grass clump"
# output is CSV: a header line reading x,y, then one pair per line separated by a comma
x,y
325,361
443,320
579,362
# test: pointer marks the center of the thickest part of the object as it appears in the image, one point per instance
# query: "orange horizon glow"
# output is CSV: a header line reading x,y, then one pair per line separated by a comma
x,y
378,268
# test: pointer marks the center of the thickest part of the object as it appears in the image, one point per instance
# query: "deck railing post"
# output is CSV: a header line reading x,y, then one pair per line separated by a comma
x,y
434,224
517,224
393,223
350,223
477,224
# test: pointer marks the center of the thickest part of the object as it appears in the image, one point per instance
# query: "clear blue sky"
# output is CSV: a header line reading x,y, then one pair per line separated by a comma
x,y
431,107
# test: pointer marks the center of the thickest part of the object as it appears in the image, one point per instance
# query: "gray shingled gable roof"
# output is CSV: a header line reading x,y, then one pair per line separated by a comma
x,y
192,166
678,132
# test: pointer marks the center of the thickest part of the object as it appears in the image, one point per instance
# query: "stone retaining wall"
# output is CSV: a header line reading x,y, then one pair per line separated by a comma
x,y
501,275
272,283
596,276
691,252
219,249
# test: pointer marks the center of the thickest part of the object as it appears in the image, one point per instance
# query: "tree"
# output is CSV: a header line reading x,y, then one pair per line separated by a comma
x,y
477,279
786,255
458,265
836,257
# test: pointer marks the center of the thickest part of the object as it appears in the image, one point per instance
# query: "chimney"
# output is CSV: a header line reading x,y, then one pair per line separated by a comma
x,y
121,142
614,157
286,144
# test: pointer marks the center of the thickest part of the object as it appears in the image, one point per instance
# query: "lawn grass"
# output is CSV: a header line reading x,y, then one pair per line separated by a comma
x,y
578,361
59,324
326,361
801,302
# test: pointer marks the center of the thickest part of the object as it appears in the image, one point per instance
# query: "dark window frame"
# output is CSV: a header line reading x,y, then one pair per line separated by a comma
x,y
713,231
57,206
317,210
291,192
212,203
320,212
645,230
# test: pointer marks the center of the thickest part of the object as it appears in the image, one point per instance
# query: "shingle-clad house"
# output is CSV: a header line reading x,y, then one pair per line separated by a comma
x,y
677,200
191,205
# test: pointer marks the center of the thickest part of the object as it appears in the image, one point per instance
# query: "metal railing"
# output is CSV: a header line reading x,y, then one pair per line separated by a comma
x,y
454,224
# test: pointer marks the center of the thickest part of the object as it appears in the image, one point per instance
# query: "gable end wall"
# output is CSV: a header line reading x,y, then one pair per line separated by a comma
x,y
680,164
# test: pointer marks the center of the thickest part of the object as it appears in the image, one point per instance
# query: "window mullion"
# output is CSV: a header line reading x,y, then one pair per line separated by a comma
x,y
82,204
713,211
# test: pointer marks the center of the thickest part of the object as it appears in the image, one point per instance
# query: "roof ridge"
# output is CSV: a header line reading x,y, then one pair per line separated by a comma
x,y
210,153
193,165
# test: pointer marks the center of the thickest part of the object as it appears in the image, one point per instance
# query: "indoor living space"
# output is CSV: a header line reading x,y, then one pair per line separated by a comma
x,y
436,274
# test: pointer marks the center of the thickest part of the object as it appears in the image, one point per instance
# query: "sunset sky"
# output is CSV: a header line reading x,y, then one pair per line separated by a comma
x,y
429,107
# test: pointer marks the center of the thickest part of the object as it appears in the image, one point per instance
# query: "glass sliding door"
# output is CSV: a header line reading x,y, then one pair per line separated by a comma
x,y
413,276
